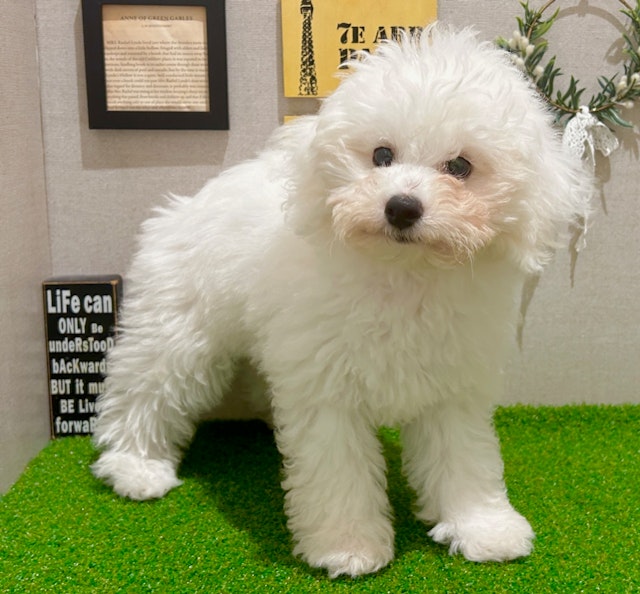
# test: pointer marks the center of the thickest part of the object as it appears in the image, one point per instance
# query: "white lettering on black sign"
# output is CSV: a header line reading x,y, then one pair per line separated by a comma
x,y
80,321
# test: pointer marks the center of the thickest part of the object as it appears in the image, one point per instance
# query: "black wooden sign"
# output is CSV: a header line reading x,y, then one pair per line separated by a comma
x,y
80,321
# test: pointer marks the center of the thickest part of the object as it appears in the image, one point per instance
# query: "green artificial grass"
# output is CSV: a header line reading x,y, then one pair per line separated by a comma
x,y
574,472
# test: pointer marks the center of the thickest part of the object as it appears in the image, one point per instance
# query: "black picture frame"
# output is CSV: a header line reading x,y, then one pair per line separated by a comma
x,y
216,118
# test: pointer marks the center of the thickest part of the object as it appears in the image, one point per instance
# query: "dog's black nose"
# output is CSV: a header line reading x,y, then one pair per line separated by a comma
x,y
402,211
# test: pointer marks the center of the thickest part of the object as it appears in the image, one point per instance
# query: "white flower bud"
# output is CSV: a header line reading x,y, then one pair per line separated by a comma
x,y
627,104
524,42
622,85
513,44
537,72
529,50
635,77
519,62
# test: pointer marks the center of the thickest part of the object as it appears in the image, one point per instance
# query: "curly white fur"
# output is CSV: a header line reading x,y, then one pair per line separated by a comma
x,y
293,262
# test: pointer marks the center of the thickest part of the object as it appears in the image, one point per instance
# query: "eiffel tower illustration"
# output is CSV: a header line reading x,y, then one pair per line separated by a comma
x,y
308,85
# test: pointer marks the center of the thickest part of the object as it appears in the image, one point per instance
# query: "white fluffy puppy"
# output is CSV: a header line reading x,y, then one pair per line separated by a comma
x,y
369,264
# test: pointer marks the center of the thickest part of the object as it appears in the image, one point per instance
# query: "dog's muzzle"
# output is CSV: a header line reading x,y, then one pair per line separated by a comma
x,y
402,211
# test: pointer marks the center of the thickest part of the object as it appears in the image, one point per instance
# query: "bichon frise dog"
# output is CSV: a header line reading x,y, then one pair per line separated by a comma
x,y
369,264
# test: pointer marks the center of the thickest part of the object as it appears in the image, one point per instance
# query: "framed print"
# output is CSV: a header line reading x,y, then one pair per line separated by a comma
x,y
156,64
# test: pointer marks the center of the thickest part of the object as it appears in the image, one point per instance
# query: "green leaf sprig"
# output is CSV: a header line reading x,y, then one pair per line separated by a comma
x,y
528,47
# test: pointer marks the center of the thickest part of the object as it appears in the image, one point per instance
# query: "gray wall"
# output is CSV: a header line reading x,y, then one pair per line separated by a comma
x,y
24,246
580,342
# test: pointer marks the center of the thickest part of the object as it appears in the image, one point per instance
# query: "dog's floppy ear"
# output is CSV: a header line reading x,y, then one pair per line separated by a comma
x,y
559,207
314,150
304,203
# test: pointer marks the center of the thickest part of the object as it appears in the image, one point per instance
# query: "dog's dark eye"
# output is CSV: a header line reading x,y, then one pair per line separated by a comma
x,y
458,167
382,156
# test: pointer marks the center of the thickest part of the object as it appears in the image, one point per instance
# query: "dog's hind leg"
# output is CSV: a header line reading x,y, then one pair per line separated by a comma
x,y
162,378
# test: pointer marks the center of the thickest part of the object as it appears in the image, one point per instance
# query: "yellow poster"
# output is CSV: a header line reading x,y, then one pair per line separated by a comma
x,y
319,35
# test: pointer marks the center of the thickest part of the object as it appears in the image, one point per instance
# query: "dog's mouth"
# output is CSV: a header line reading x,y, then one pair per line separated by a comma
x,y
402,237
437,247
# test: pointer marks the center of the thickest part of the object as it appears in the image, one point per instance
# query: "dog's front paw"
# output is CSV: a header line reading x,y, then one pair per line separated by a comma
x,y
352,561
486,534
347,554
136,477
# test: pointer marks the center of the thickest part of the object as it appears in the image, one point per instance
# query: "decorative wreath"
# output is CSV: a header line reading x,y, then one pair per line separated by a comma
x,y
585,124
528,49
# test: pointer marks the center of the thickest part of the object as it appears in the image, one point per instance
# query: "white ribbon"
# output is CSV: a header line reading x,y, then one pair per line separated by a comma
x,y
584,134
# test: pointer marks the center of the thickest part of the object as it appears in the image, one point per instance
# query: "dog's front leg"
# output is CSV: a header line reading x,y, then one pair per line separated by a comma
x,y
452,458
336,500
